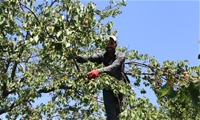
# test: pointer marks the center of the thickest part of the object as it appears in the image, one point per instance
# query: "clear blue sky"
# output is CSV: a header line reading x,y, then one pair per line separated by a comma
x,y
166,29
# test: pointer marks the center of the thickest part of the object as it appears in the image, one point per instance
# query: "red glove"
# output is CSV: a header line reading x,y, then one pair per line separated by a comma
x,y
93,73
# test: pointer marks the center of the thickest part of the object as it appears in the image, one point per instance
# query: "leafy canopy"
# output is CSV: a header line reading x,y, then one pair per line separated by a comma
x,y
38,44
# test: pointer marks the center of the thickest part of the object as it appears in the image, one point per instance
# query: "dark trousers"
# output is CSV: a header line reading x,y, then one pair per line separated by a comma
x,y
112,104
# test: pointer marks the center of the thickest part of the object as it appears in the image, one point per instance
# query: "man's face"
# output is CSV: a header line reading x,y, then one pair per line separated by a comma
x,y
111,46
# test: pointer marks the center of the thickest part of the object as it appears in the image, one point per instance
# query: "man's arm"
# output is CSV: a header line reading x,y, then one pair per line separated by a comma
x,y
95,58
82,59
114,66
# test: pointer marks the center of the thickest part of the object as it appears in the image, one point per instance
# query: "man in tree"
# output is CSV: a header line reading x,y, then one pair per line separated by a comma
x,y
113,65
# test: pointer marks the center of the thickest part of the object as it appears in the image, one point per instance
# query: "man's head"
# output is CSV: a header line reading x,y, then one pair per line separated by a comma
x,y
111,45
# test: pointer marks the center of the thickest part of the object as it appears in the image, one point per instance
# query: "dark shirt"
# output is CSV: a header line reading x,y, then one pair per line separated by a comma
x,y
113,67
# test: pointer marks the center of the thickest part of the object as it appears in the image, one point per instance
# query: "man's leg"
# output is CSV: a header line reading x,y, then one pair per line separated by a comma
x,y
111,105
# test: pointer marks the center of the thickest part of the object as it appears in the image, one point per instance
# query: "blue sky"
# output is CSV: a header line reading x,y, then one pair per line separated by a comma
x,y
166,29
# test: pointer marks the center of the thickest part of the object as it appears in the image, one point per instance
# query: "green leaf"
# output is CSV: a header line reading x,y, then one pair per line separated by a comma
x,y
67,44
172,93
36,38
58,46
110,26
143,91
165,89
184,98
59,33
194,89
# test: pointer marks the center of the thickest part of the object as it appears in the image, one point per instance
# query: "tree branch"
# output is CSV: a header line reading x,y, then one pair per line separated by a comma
x,y
2,111
27,35
3,34
9,108
4,82
13,70
6,91
15,65
23,69
140,64
37,18
44,90
30,11
143,73
7,66
176,75
52,3
77,67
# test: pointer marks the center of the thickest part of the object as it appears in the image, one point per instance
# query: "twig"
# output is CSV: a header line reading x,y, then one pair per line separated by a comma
x,y
76,65
52,3
3,34
177,76
30,11
44,90
27,35
138,63
23,69
36,19
143,73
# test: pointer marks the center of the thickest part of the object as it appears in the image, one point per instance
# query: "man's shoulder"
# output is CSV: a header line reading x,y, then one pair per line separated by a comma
x,y
120,54
99,53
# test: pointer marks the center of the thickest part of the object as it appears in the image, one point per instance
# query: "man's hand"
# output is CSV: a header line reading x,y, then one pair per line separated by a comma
x,y
93,73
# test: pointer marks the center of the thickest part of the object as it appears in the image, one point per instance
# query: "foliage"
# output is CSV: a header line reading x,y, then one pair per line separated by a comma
x,y
38,44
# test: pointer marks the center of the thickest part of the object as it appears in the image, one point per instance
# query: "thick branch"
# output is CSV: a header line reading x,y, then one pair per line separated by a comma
x,y
15,65
14,70
2,111
39,91
4,83
9,109
6,91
